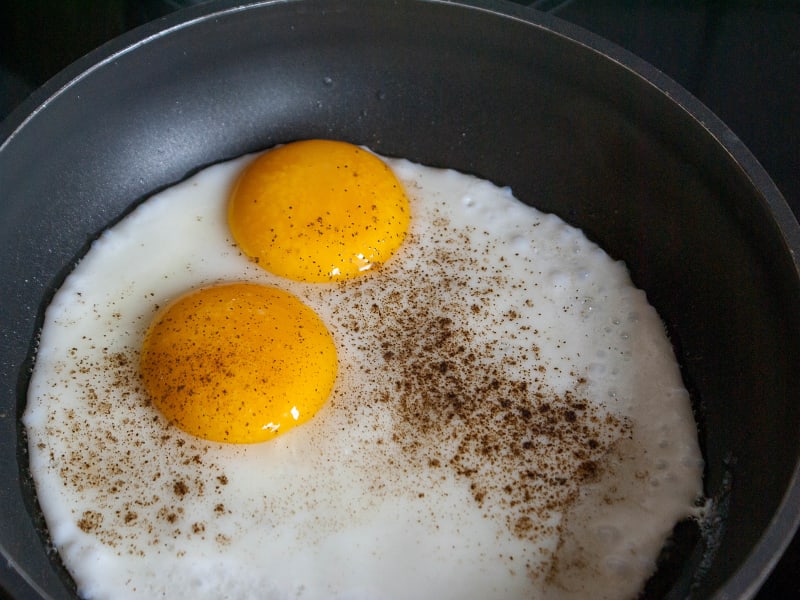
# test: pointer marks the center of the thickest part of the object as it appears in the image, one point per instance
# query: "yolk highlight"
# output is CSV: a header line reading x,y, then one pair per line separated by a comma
x,y
318,210
238,363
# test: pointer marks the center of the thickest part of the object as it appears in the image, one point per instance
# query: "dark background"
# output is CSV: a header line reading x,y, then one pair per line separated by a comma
x,y
741,59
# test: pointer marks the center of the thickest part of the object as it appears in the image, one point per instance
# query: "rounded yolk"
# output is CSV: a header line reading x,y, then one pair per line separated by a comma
x,y
318,210
238,363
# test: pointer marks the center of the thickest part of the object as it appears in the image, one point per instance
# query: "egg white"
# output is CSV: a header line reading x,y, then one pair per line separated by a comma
x,y
451,460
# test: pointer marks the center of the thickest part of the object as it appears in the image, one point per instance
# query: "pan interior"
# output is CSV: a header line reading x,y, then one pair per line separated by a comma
x,y
572,131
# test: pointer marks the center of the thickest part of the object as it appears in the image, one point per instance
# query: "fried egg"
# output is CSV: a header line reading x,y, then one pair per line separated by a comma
x,y
484,404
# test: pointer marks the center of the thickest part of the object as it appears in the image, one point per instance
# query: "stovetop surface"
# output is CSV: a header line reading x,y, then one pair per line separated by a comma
x,y
740,58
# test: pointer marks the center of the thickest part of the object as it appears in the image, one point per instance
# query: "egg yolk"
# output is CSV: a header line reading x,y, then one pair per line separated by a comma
x,y
318,210
238,363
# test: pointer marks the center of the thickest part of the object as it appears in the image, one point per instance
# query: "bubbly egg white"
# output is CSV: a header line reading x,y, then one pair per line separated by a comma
x,y
508,420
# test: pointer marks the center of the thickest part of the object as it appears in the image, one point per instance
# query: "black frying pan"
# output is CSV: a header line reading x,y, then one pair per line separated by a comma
x,y
573,124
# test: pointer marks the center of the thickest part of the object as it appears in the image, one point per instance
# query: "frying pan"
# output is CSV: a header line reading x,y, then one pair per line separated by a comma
x,y
575,125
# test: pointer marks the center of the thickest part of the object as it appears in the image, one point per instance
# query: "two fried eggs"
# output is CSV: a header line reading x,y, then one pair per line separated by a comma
x,y
504,417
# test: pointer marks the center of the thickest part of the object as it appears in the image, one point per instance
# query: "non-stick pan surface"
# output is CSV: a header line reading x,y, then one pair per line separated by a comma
x,y
573,124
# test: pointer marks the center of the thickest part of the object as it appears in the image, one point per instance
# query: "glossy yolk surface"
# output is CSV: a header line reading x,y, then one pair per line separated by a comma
x,y
318,211
238,363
